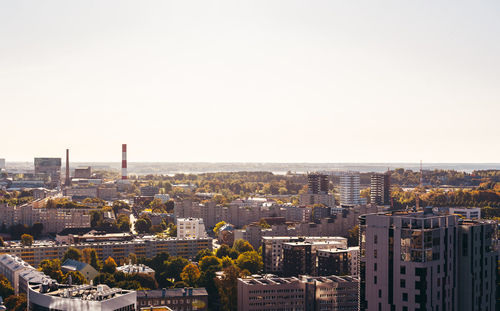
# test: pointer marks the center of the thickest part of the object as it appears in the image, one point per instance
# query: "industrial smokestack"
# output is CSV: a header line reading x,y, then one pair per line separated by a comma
x,y
67,181
124,161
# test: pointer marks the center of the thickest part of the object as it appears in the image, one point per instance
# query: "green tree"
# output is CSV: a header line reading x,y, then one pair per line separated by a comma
x,y
203,253
77,278
208,262
222,251
227,288
143,224
250,261
242,246
37,229
72,253
175,267
52,268
353,236
190,274
26,239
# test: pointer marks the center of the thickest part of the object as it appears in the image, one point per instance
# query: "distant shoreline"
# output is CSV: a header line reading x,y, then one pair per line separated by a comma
x,y
143,168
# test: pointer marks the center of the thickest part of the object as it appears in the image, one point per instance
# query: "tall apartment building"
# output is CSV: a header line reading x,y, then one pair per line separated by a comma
x,y
11,267
2,164
426,261
317,191
349,189
307,293
190,228
380,189
477,265
272,249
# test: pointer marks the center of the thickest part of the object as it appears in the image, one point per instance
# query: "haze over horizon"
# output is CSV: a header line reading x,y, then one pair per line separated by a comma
x,y
251,81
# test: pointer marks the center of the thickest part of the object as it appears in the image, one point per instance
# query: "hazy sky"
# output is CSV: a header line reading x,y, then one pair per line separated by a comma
x,y
274,81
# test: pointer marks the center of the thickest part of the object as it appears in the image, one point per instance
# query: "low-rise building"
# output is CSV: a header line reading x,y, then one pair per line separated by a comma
x,y
55,296
177,299
134,269
88,272
11,267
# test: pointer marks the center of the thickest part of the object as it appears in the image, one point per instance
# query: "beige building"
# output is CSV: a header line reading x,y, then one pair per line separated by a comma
x,y
88,272
269,293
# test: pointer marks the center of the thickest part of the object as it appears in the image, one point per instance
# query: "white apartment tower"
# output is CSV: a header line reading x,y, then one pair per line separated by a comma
x,y
349,189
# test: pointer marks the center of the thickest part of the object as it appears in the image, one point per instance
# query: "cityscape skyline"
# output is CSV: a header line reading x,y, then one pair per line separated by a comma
x,y
277,82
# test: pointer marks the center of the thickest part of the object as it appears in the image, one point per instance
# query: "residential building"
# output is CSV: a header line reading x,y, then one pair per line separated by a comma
x,y
81,192
164,198
307,293
88,272
177,299
2,164
148,246
149,191
190,228
331,293
380,189
350,189
300,257
32,276
317,191
11,267
271,293
465,212
477,265
272,249
426,261
55,296
338,261
136,268
108,193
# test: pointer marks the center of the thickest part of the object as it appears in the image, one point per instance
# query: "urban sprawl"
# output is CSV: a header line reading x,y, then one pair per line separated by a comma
x,y
85,238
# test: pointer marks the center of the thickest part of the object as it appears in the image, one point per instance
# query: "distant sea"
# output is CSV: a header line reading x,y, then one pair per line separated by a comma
x,y
143,168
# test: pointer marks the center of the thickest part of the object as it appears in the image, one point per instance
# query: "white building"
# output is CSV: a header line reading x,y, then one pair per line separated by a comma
x,y
467,213
134,269
191,228
163,197
52,296
349,189
11,267
2,164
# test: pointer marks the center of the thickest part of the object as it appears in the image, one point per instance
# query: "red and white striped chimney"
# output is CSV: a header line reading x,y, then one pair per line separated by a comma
x,y
124,161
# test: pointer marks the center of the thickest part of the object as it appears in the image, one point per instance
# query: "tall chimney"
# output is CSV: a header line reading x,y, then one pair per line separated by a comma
x,y
124,161
67,181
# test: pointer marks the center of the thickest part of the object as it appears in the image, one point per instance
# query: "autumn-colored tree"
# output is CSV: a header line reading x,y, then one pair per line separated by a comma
x,y
26,239
52,268
16,302
6,288
210,261
190,274
218,226
242,246
109,265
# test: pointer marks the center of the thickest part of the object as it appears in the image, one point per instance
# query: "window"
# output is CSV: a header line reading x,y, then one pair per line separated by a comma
x,y
405,297
375,280
402,283
375,267
375,239
402,270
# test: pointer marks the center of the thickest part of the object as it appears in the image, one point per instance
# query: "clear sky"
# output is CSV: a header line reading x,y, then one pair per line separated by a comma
x,y
259,81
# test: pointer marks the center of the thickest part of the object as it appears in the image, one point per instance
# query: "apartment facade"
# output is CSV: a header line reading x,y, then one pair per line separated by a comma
x,y
190,228
380,189
177,299
147,247
426,261
269,293
349,189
